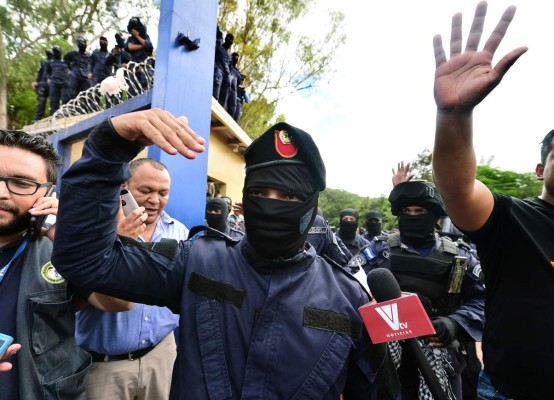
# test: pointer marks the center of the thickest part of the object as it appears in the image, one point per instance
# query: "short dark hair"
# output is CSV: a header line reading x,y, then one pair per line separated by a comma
x,y
133,165
546,145
38,144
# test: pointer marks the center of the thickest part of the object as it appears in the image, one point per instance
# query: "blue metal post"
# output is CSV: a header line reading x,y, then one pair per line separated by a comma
x,y
183,85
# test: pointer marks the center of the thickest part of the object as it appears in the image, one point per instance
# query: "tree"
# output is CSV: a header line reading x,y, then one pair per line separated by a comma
x,y
520,185
422,166
333,201
31,26
276,61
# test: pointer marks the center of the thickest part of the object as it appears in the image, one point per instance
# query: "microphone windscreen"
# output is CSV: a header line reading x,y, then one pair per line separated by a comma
x,y
383,285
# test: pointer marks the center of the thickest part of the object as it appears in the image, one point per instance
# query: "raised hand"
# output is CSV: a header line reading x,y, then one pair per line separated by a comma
x,y
468,77
402,173
155,126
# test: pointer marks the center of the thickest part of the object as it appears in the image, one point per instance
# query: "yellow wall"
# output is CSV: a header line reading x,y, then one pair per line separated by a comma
x,y
77,151
226,167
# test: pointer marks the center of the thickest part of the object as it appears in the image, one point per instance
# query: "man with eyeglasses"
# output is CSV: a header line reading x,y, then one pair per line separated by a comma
x,y
37,305
446,278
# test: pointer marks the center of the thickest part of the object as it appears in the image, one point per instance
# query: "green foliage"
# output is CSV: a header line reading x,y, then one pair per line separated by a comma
x,y
30,27
511,183
276,60
333,201
520,185
422,166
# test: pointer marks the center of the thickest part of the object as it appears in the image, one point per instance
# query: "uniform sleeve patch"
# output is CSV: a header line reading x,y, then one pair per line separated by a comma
x,y
50,275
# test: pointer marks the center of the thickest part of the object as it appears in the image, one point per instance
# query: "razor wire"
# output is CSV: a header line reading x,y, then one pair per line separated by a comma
x,y
132,80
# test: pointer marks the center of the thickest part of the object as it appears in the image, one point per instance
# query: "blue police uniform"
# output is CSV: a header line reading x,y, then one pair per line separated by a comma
x,y
42,89
99,65
222,74
78,78
137,55
250,327
326,243
57,73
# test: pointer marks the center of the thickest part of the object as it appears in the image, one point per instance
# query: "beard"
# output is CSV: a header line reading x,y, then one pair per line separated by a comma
x,y
18,224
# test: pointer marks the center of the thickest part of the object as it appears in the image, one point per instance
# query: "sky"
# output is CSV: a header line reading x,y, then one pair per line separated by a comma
x,y
379,109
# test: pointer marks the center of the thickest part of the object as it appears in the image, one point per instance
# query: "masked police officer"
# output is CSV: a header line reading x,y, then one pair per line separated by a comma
x,y
57,73
77,61
445,277
348,231
217,211
260,318
41,86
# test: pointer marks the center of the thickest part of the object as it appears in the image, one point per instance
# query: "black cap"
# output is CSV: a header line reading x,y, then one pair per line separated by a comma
x,y
351,212
416,193
373,215
283,144
81,40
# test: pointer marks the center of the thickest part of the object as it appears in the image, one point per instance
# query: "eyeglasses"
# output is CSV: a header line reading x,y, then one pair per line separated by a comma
x,y
23,187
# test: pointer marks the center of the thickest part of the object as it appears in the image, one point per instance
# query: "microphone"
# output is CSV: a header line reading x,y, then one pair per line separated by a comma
x,y
394,315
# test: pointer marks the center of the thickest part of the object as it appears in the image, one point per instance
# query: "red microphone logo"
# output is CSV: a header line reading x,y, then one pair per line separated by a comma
x,y
397,319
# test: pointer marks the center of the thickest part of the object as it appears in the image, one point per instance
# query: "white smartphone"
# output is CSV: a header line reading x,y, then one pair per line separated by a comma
x,y
5,342
128,202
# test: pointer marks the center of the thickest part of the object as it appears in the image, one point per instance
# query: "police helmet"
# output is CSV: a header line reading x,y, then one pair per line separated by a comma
x,y
56,50
49,53
81,41
416,193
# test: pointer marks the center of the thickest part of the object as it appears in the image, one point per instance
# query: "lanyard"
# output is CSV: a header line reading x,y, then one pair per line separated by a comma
x,y
17,253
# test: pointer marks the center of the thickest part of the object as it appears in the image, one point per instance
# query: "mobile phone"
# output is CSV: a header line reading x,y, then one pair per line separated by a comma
x,y
37,222
5,342
128,202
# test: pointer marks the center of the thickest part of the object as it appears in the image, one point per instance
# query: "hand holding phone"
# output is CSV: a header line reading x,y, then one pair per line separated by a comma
x,y
5,342
37,221
128,202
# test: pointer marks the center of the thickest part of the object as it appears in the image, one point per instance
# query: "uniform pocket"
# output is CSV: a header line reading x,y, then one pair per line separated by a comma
x,y
52,320
68,380
211,349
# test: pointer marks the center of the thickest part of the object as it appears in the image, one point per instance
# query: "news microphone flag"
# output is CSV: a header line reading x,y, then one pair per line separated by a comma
x,y
397,319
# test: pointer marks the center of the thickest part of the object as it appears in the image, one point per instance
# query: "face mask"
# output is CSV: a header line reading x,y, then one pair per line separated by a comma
x,y
418,230
82,47
277,228
374,228
348,228
216,221
103,46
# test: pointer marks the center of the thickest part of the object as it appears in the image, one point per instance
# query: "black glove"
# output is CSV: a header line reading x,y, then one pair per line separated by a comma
x,y
446,329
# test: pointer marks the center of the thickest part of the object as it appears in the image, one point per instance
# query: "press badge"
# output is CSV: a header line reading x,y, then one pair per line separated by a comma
x,y
457,273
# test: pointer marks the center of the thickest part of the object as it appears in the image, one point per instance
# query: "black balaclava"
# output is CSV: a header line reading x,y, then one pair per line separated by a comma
x,y
418,230
49,54
103,43
229,39
348,229
57,52
373,228
81,44
217,221
277,228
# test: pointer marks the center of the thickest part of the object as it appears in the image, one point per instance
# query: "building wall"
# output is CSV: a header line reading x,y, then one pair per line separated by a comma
x,y
226,167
